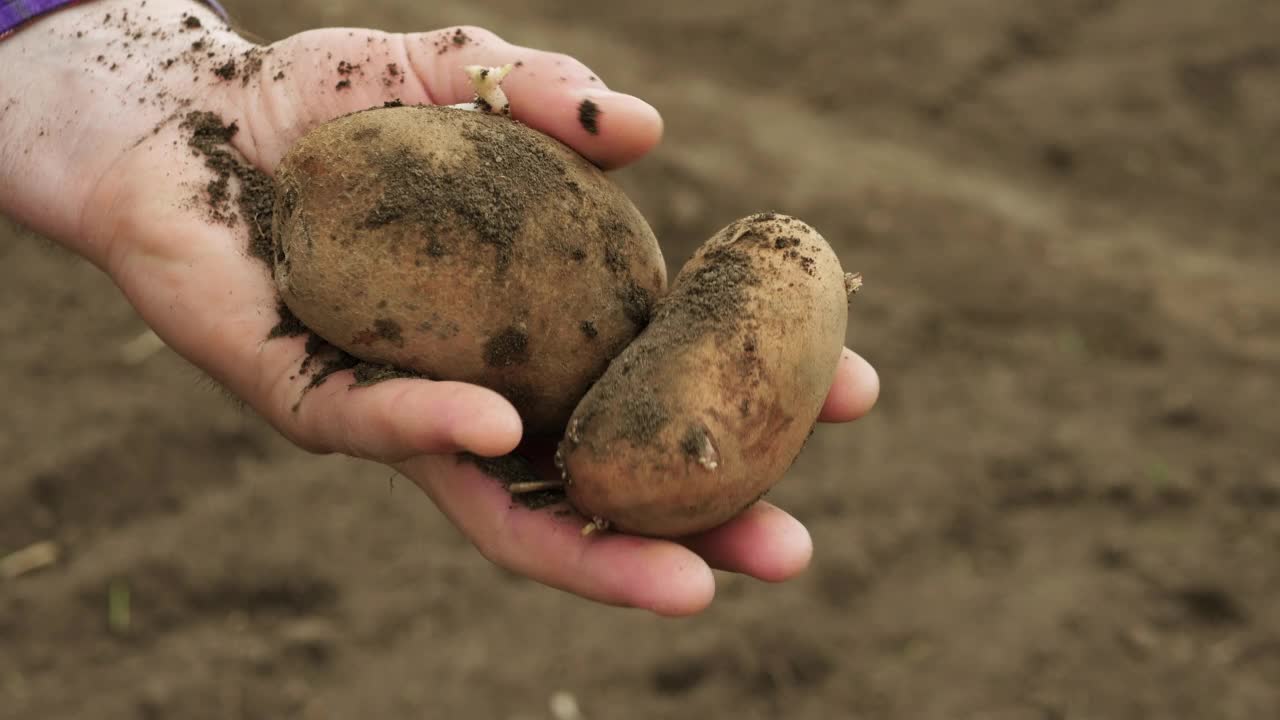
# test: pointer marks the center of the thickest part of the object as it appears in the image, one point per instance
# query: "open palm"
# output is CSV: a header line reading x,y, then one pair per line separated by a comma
x,y
196,285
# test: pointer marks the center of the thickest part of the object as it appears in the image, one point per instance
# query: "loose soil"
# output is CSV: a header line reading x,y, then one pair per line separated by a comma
x,y
254,194
367,374
588,115
419,192
515,468
1066,504
510,347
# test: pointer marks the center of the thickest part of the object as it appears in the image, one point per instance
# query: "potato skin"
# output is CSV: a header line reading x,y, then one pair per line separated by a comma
x,y
464,246
710,406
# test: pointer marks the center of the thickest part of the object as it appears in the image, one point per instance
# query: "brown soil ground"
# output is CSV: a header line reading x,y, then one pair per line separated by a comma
x,y
1067,504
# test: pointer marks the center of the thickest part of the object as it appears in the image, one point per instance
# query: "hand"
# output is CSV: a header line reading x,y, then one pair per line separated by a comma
x,y
115,181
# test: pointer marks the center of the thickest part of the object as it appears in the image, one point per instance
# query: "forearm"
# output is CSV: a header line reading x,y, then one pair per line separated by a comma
x,y
81,86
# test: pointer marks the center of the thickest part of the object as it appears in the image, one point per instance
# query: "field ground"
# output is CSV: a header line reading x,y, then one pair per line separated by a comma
x,y
1066,505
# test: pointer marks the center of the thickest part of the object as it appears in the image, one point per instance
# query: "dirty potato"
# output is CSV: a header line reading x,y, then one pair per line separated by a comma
x,y
711,404
464,246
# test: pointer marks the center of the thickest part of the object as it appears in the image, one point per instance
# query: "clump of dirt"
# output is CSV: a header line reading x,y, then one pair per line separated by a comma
x,y
588,117
331,366
693,441
637,303
227,70
446,41
614,230
419,191
392,75
707,300
368,373
323,360
251,66
507,348
289,325
254,197
389,330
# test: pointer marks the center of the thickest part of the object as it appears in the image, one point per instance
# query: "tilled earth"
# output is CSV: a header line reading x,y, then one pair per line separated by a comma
x,y
1066,505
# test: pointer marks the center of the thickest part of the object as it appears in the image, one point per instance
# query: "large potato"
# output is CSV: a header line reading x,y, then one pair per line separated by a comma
x,y
709,407
464,246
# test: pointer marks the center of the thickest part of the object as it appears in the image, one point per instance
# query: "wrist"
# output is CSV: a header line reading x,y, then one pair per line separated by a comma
x,y
85,84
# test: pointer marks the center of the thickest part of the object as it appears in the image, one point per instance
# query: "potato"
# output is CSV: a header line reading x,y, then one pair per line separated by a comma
x,y
712,403
464,246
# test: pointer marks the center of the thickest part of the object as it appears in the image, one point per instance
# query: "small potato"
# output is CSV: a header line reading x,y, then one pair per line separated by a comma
x,y
464,246
712,403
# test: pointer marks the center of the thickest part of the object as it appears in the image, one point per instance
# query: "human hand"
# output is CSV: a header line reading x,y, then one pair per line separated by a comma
x,y
92,154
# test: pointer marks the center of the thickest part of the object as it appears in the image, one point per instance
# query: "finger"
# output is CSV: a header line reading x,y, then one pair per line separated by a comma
x,y
318,75
853,392
397,419
550,92
763,542
615,569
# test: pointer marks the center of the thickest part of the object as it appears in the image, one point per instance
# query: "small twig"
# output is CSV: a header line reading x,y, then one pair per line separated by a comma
x,y
531,486
29,559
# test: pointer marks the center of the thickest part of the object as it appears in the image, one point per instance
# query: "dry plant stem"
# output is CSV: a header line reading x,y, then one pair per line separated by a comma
x,y
520,488
29,559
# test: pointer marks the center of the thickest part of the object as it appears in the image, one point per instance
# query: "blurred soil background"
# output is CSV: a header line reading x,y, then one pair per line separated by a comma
x,y
1066,505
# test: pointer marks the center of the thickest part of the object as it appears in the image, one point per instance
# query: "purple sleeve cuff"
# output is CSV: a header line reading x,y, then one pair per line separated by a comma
x,y
14,13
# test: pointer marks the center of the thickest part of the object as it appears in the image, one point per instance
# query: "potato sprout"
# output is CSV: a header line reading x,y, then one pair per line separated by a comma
x,y
487,82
